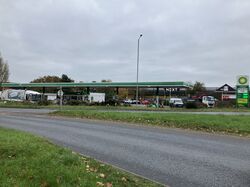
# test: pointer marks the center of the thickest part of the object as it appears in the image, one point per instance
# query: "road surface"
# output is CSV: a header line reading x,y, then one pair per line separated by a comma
x,y
172,157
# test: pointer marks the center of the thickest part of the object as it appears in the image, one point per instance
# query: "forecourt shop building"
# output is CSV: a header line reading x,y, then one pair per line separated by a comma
x,y
157,87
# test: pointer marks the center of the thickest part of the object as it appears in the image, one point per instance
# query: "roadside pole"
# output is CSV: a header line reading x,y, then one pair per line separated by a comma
x,y
157,97
61,97
157,101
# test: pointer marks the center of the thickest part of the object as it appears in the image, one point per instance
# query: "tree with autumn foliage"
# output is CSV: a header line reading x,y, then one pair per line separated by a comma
x,y
52,79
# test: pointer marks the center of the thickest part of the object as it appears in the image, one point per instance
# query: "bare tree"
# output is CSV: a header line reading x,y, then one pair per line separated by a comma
x,y
4,70
198,87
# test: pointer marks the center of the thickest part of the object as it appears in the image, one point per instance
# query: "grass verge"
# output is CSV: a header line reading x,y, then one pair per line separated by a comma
x,y
141,108
115,108
235,124
13,104
27,160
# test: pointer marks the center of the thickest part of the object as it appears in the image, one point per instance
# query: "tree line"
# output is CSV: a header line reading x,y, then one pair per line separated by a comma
x,y
4,70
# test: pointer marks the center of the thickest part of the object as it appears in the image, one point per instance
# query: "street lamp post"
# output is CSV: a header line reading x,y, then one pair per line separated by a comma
x,y
137,73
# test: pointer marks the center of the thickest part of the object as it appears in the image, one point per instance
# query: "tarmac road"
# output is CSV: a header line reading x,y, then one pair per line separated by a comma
x,y
172,157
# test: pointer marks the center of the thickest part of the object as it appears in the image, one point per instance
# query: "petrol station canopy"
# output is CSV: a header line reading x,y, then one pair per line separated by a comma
x,y
178,84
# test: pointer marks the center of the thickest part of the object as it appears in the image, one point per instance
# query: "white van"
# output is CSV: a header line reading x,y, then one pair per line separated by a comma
x,y
176,102
209,101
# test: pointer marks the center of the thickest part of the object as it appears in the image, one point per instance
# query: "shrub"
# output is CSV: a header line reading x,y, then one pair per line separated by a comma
x,y
166,102
226,104
112,102
191,105
44,103
74,102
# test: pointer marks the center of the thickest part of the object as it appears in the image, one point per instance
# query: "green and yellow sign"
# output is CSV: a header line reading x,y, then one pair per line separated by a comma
x,y
242,97
242,80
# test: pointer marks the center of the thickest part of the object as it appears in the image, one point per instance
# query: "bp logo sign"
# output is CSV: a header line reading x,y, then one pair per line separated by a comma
x,y
242,88
242,80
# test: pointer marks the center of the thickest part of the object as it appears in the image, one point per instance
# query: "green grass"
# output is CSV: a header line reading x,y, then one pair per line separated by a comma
x,y
140,108
108,107
12,104
26,160
221,123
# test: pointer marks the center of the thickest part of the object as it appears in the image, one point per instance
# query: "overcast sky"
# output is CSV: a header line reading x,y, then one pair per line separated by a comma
x,y
185,40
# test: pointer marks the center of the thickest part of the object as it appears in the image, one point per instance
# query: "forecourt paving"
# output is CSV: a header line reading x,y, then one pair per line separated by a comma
x,y
172,157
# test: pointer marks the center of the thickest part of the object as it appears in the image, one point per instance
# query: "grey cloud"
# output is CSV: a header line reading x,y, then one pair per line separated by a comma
x,y
92,39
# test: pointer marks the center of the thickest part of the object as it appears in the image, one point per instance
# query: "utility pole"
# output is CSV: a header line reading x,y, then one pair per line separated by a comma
x,y
137,73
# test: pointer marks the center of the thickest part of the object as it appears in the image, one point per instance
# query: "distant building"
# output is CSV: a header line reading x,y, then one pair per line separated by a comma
x,y
227,92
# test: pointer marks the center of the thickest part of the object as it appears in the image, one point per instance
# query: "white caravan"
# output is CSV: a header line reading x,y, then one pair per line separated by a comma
x,y
20,95
96,97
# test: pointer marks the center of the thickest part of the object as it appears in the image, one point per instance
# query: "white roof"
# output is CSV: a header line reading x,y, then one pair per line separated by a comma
x,y
32,92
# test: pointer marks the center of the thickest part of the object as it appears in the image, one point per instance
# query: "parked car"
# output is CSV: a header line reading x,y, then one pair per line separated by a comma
x,y
176,102
145,102
129,101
